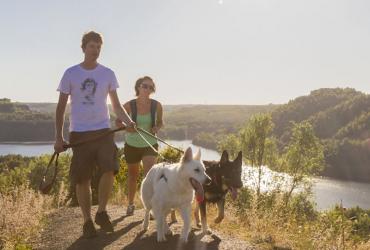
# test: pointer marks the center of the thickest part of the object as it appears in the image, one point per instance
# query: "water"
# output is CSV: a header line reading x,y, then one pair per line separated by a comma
x,y
327,192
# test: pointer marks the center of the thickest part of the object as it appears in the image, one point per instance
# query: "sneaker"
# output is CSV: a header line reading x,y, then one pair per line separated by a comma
x,y
130,210
89,230
102,219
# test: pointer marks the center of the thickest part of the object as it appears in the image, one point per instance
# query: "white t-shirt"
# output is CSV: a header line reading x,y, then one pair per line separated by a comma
x,y
89,91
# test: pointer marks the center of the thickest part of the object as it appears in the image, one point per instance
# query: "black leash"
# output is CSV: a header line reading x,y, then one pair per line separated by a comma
x,y
45,187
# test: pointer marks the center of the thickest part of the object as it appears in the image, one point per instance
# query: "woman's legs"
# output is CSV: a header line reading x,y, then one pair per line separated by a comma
x,y
148,162
133,173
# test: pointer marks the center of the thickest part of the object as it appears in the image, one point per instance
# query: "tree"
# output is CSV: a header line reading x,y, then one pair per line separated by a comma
x,y
255,140
303,157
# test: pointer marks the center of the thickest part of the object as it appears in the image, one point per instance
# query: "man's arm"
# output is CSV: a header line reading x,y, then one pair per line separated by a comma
x,y
119,111
59,122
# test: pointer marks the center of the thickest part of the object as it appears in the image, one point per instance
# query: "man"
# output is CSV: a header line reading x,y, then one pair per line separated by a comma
x,y
88,84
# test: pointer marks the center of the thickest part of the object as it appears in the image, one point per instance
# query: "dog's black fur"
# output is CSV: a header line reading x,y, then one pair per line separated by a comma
x,y
225,175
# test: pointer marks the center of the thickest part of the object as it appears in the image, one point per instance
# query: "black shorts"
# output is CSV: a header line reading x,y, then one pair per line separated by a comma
x,y
135,155
100,154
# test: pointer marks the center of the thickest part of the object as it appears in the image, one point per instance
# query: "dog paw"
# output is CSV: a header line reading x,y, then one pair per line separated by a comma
x,y
198,225
218,220
207,231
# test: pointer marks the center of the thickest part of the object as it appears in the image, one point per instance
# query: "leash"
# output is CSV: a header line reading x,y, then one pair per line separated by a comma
x,y
159,139
151,146
44,186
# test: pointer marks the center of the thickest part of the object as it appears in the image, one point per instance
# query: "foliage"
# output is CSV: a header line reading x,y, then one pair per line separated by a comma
x,y
303,157
21,213
231,143
254,138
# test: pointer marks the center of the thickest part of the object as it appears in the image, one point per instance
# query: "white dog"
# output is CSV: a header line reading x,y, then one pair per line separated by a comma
x,y
171,186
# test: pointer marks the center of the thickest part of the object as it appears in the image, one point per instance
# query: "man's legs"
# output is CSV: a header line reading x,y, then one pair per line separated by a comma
x,y
83,193
105,190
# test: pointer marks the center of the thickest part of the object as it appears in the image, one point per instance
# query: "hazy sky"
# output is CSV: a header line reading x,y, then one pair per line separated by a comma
x,y
198,51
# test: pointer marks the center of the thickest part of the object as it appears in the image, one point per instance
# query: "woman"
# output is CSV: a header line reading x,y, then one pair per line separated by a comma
x,y
148,114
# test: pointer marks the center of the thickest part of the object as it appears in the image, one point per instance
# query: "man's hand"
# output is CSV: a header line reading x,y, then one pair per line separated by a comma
x,y
59,145
119,123
129,127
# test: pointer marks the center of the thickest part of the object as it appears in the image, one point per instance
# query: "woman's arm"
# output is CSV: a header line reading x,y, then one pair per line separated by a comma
x,y
159,122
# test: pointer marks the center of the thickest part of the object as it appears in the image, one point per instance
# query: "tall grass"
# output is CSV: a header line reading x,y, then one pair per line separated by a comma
x,y
21,213
271,224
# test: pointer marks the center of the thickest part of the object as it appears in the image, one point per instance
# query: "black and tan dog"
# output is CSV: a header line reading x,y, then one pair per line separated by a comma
x,y
226,176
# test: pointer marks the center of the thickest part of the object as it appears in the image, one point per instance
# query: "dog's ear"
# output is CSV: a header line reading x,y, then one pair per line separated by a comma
x,y
224,157
239,158
188,155
197,155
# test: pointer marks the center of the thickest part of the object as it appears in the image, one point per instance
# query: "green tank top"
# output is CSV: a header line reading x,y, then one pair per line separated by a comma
x,y
134,139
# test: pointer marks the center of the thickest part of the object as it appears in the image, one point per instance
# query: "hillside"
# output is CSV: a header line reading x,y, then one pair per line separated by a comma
x,y
19,123
340,118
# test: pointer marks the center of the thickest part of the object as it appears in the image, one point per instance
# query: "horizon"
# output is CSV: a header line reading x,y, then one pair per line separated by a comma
x,y
211,52
200,104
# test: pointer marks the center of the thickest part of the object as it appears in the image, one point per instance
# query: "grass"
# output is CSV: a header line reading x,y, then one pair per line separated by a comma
x,y
275,230
21,217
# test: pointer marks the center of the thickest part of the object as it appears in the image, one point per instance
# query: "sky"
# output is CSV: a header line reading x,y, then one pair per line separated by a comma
x,y
197,51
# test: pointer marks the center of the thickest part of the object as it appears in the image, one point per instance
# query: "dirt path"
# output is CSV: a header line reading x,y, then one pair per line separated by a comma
x,y
64,232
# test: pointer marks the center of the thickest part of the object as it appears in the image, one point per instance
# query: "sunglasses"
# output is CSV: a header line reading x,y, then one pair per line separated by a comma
x,y
146,86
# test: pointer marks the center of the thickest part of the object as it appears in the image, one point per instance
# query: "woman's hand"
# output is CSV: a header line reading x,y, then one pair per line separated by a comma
x,y
155,130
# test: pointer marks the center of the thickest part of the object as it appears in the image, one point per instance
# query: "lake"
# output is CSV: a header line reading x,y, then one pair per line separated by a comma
x,y
327,192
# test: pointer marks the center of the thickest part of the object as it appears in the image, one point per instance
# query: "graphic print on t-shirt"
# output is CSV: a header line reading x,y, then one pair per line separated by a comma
x,y
88,88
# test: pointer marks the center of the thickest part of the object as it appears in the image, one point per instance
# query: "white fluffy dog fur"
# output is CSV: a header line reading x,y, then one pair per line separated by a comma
x,y
171,186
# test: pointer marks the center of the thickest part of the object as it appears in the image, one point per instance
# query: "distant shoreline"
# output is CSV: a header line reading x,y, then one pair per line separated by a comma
x,y
26,143
31,143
